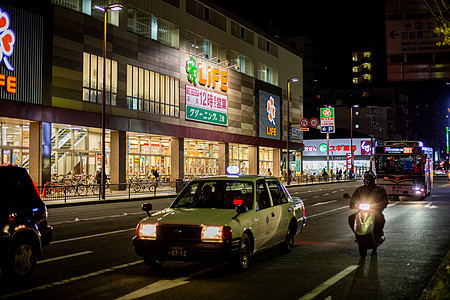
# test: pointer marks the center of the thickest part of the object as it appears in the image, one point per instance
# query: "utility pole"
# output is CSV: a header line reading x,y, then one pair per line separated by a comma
x,y
373,111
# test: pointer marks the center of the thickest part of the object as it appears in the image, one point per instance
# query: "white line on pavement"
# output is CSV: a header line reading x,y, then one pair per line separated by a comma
x,y
325,212
156,287
91,236
165,284
315,292
64,257
322,203
66,281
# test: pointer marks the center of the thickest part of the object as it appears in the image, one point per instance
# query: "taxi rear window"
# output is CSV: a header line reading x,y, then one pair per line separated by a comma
x,y
216,194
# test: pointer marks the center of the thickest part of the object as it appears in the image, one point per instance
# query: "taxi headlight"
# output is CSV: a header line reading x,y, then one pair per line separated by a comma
x,y
147,230
215,233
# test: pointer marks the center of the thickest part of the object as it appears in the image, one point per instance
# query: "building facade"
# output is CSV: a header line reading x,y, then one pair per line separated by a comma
x,y
189,89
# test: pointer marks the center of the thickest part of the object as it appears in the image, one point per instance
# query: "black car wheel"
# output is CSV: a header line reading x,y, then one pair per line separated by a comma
x,y
153,262
288,244
244,253
21,260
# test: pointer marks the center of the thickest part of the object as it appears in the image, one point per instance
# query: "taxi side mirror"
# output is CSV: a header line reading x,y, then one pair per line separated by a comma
x,y
240,209
147,207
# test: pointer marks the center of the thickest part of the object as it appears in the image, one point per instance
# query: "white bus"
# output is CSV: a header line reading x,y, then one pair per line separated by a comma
x,y
405,168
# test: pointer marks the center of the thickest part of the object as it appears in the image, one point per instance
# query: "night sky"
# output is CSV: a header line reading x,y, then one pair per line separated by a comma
x,y
328,23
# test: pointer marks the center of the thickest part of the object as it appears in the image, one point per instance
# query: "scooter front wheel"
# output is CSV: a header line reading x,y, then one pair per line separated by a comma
x,y
362,251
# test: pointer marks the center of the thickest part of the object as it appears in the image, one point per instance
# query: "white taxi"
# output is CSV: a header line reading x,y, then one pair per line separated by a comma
x,y
222,217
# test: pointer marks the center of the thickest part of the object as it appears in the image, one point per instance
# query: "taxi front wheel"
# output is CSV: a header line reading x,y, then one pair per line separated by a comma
x,y
244,255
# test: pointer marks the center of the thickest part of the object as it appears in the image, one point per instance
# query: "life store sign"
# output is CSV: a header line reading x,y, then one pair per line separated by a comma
x,y
21,55
205,105
269,115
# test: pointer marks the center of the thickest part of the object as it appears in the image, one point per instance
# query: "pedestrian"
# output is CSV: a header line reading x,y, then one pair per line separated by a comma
x,y
156,174
268,172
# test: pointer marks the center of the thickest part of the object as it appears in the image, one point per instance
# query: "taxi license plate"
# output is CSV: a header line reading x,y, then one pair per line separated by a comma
x,y
177,252
397,188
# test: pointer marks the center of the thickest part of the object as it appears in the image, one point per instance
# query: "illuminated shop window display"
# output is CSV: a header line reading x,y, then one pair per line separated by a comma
x,y
14,142
146,153
200,158
77,150
266,160
239,157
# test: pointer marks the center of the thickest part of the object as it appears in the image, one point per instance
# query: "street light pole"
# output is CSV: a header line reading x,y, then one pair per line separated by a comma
x,y
288,125
112,7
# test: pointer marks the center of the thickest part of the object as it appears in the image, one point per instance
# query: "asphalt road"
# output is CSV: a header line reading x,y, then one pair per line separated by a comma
x,y
92,256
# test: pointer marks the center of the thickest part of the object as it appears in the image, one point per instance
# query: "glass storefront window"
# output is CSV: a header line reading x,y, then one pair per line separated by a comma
x,y
14,142
200,158
239,157
77,150
266,161
146,153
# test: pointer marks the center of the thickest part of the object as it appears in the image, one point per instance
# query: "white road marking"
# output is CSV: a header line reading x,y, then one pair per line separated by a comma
x,y
325,212
322,203
156,287
315,292
66,281
64,257
326,194
165,284
430,206
91,236
316,197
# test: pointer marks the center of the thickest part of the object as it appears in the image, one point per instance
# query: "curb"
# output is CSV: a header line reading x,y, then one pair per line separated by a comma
x,y
438,287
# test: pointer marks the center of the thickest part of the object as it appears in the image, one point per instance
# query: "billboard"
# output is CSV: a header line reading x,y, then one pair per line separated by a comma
x,y
21,55
412,37
269,115
339,147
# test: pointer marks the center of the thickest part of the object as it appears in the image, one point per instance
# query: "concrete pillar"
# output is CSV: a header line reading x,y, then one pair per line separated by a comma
x,y
176,158
253,157
224,158
276,162
35,153
118,160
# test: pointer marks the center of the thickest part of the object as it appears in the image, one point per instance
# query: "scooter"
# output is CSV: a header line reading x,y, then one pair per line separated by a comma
x,y
363,227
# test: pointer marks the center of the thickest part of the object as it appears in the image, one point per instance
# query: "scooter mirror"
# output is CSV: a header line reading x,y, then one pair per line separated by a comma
x,y
346,196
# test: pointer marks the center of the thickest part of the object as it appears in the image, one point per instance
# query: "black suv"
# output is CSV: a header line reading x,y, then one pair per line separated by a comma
x,y
23,223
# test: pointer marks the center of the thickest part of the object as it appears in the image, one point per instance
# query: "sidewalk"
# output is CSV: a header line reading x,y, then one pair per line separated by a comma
x,y
123,196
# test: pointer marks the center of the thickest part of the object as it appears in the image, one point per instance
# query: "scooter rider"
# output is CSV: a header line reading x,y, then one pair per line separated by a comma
x,y
378,198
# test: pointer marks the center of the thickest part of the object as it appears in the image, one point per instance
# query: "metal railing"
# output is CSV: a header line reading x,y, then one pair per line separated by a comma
x,y
56,191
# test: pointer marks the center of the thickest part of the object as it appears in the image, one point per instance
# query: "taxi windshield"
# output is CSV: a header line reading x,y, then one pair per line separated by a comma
x,y
226,194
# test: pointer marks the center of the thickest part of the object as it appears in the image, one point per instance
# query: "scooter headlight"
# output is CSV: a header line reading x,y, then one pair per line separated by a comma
x,y
364,206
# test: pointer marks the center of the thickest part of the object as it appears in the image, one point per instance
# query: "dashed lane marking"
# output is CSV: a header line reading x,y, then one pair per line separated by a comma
x,y
64,257
70,280
323,203
325,285
90,236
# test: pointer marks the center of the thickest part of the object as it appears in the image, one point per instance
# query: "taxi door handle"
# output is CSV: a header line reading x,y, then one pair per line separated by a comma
x,y
273,214
289,209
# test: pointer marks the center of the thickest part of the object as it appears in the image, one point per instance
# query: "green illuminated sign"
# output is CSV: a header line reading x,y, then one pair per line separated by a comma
x,y
323,148
205,115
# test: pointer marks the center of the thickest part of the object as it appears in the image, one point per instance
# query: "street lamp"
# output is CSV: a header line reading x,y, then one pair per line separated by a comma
x,y
112,7
288,125
351,138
